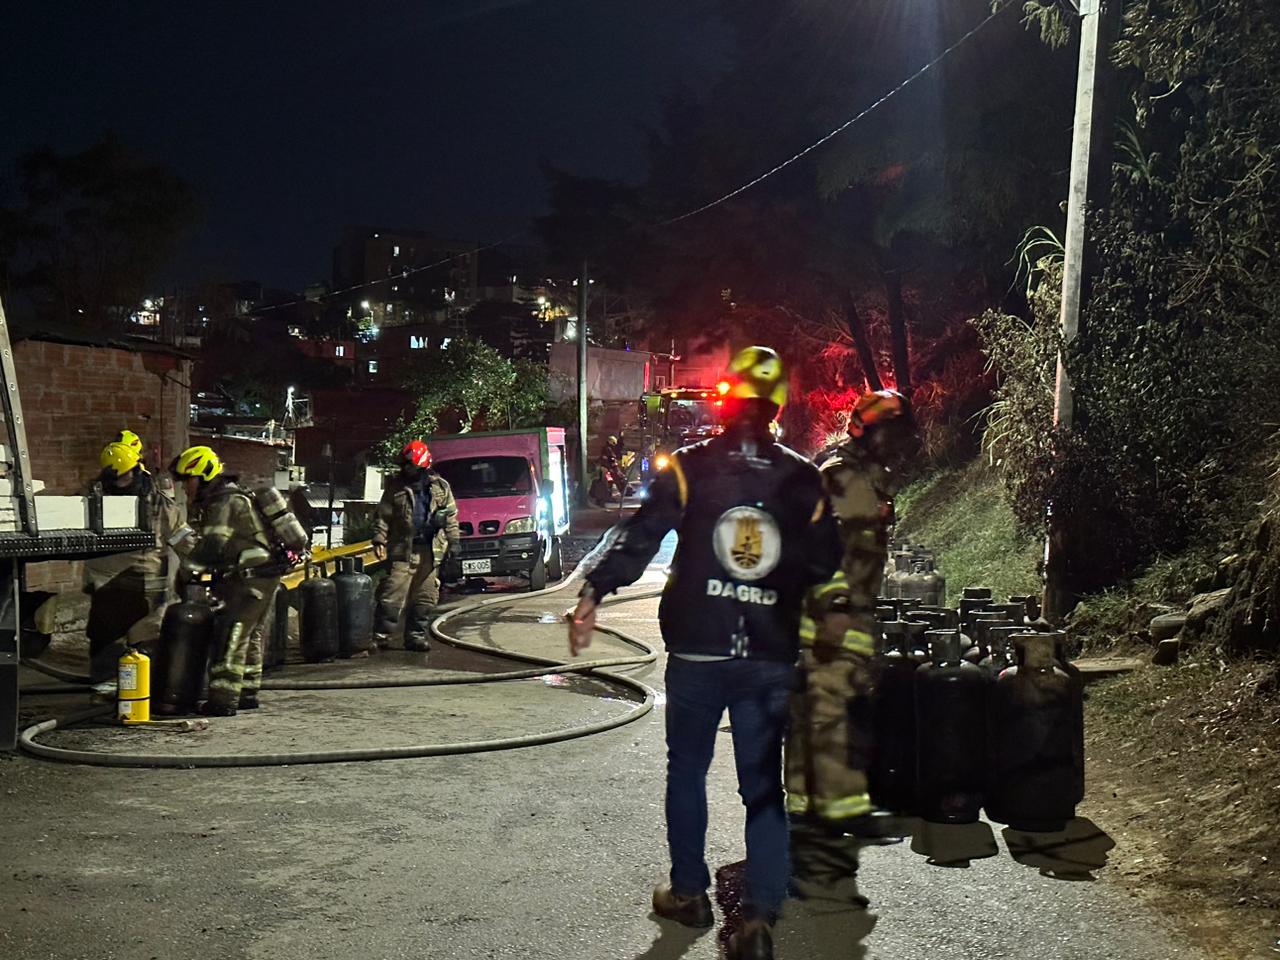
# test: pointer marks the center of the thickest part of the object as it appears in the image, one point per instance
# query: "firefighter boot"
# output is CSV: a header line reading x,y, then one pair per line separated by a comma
x,y
691,910
754,941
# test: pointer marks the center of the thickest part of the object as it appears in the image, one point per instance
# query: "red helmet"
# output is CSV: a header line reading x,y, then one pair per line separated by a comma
x,y
416,452
879,406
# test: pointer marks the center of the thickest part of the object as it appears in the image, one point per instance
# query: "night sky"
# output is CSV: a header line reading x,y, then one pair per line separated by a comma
x,y
292,119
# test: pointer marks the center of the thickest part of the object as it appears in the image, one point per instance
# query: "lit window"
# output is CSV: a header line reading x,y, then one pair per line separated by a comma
x,y
340,350
373,366
417,343
444,344
391,308
395,250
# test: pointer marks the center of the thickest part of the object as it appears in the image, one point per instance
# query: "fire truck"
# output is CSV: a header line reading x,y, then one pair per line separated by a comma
x,y
675,417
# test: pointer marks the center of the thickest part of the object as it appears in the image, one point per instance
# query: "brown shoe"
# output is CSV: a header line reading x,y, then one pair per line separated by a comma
x,y
690,910
754,941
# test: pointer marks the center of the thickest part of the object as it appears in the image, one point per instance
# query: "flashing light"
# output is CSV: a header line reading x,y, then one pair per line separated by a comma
x,y
719,403
364,304
662,461
722,387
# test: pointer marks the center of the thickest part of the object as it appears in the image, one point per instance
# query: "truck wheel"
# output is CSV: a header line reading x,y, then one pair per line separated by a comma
x,y
538,575
555,566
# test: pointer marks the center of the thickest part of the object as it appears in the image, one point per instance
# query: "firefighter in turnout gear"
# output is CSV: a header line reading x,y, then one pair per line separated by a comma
x,y
828,749
128,590
234,545
755,534
416,527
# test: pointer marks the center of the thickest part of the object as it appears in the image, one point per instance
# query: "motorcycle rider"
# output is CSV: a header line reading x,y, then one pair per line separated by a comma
x,y
828,749
755,534
416,526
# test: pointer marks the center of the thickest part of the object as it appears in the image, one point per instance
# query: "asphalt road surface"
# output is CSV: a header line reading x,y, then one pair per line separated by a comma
x,y
548,852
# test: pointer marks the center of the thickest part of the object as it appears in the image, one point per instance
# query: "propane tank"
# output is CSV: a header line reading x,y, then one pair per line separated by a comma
x,y
885,613
1030,602
133,688
1037,725
186,633
948,619
951,718
982,627
977,593
917,636
1015,612
318,619
275,641
974,649
1000,649
284,524
355,608
892,774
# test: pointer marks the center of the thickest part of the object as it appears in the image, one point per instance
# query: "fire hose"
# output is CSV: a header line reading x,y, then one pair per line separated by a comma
x,y
544,667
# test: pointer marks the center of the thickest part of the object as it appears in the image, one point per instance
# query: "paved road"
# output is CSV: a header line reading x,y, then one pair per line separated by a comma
x,y
543,853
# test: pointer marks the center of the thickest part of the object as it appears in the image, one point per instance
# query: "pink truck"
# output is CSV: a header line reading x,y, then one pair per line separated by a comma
x,y
512,489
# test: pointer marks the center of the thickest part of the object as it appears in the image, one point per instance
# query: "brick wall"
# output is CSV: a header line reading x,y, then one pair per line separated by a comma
x,y
75,398
253,461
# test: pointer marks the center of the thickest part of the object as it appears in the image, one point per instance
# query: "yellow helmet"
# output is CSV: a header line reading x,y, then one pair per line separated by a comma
x,y
757,373
120,457
130,440
200,462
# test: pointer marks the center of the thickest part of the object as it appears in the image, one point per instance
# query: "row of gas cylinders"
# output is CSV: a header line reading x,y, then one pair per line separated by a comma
x,y
975,709
911,573
335,620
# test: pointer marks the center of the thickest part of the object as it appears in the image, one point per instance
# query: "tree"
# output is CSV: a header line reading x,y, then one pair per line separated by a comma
x,y
467,385
91,231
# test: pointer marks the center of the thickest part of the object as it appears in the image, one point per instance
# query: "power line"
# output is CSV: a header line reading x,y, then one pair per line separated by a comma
x,y
843,127
391,279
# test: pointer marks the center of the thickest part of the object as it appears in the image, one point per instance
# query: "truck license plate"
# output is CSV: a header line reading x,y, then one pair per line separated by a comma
x,y
477,566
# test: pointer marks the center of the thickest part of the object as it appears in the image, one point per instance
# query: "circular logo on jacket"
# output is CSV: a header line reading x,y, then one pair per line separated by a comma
x,y
747,543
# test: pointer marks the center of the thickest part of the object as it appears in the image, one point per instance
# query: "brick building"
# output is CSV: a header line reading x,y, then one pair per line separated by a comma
x,y
77,392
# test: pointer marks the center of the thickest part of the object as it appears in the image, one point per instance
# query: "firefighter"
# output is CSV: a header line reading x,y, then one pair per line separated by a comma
x,y
416,527
234,546
128,591
830,739
755,533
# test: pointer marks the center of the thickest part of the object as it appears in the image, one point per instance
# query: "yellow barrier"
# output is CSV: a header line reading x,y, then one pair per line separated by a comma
x,y
324,558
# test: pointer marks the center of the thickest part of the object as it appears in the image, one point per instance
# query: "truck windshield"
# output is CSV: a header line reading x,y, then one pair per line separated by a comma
x,y
690,415
487,476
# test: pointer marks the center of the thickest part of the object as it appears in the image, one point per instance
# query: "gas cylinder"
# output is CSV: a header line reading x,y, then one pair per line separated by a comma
x,y
186,633
892,774
1036,727
133,689
951,716
355,608
1000,648
1071,670
885,613
318,619
982,628
973,630
1032,604
275,640
1016,612
935,618
917,636
977,593
283,523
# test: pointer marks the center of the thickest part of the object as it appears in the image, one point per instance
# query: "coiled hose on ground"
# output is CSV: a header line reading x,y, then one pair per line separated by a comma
x,y
545,667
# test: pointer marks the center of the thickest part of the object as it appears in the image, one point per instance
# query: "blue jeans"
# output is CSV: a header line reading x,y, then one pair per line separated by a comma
x,y
756,693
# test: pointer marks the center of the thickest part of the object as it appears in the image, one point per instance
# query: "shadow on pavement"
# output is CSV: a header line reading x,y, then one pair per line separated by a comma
x,y
673,940
953,844
1072,854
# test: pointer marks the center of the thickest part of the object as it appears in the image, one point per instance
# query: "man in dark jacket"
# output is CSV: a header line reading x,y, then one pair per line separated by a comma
x,y
415,528
755,534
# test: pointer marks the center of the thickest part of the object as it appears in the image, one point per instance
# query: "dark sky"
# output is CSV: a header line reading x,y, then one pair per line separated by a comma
x,y
292,119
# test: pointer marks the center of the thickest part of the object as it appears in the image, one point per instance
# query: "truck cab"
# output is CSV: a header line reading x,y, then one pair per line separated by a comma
x,y
513,502
676,417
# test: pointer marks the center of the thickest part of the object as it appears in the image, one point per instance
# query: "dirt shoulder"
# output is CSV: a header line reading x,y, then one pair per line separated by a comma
x,y
1185,776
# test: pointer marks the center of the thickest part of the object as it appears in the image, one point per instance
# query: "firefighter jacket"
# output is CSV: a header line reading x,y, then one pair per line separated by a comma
x,y
755,534
405,506
232,538
147,569
861,494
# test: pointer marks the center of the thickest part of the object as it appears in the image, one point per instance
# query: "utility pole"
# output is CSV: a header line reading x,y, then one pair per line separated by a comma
x,y
584,486
1090,132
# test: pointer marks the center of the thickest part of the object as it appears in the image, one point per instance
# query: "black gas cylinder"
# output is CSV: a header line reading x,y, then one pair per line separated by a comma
x,y
355,608
982,594
892,775
951,716
318,619
1030,603
1000,654
182,657
1036,732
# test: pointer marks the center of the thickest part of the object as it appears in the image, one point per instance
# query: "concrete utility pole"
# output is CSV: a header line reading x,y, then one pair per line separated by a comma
x,y
1090,129
584,487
